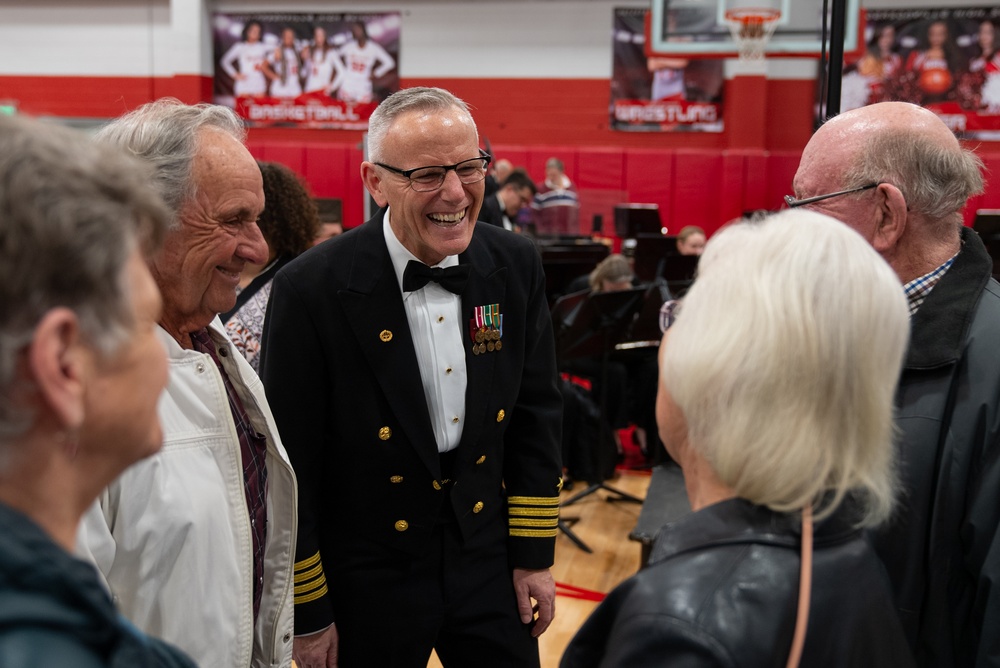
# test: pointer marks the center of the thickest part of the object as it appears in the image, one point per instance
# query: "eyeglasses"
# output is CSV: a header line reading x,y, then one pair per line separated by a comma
x,y
668,314
429,179
792,202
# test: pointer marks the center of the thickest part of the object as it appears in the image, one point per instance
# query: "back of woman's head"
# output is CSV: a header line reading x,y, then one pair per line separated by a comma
x,y
290,220
784,361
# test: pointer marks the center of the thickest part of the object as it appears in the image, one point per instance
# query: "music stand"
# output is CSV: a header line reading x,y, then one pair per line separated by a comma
x,y
589,324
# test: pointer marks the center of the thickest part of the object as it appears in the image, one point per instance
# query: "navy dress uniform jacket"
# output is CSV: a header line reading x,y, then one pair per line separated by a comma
x,y
342,379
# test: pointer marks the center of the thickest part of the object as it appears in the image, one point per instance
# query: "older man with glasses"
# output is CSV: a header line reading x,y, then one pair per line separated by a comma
x,y
896,174
411,369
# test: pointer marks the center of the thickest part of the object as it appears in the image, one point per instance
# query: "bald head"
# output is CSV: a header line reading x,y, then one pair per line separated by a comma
x,y
924,179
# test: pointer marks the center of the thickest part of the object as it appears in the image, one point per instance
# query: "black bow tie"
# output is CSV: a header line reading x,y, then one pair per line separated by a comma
x,y
417,275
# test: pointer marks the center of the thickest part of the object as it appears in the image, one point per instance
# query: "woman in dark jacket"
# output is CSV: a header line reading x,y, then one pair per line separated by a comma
x,y
776,398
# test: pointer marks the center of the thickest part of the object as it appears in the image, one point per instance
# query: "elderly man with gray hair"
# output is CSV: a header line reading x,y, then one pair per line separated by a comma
x,y
896,174
196,543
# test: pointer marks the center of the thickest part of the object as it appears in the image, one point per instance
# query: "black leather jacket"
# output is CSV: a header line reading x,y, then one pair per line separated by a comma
x,y
721,589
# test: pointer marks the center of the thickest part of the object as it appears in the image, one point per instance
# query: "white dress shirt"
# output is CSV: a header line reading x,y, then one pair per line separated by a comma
x,y
434,316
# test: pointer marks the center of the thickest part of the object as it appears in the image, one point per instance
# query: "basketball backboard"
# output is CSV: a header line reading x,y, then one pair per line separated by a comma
x,y
698,28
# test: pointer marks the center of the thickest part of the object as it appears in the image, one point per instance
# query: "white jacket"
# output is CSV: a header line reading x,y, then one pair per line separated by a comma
x,y
172,535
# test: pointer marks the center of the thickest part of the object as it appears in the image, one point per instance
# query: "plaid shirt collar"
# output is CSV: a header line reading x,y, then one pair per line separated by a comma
x,y
918,289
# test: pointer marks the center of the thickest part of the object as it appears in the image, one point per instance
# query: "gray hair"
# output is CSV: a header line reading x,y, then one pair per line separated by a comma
x,y
71,213
936,179
404,101
164,134
785,370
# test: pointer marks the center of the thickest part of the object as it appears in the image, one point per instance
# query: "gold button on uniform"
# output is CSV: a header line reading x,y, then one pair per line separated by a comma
x,y
385,433
479,506
402,525
440,318
396,478
385,335
500,415
454,420
436,485
481,459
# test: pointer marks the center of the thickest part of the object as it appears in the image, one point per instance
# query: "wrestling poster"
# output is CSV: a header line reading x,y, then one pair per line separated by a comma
x,y
947,60
660,94
306,70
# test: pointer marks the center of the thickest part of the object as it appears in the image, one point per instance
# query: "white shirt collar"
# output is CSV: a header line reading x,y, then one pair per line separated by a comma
x,y
400,255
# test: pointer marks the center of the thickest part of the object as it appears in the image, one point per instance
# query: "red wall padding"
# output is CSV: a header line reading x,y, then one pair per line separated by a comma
x,y
695,178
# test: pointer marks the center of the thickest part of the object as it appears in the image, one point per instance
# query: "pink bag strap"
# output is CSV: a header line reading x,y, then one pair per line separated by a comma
x,y
805,589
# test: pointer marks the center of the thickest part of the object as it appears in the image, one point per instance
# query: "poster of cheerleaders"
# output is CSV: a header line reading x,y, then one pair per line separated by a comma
x,y
306,70
947,60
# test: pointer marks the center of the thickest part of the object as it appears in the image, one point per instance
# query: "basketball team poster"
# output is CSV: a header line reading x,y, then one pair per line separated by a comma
x,y
947,60
660,94
306,70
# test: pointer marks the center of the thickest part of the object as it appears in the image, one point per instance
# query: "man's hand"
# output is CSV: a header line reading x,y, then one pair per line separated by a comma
x,y
317,650
538,585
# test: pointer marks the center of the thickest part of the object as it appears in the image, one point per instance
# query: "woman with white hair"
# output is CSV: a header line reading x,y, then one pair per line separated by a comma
x,y
81,370
776,393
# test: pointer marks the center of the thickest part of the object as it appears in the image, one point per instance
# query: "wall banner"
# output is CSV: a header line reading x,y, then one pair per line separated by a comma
x,y
947,60
306,70
660,94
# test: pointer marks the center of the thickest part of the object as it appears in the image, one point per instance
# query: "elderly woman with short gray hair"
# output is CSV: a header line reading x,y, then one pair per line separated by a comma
x,y
776,395
81,371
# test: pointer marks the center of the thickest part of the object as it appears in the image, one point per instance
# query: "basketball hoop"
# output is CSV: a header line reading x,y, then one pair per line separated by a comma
x,y
751,28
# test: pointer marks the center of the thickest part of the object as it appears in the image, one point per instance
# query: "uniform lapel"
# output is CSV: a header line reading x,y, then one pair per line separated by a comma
x,y
487,285
374,307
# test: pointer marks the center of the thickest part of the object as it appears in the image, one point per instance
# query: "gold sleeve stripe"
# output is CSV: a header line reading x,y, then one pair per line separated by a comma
x,y
302,576
309,586
525,522
306,563
306,598
533,500
523,511
533,533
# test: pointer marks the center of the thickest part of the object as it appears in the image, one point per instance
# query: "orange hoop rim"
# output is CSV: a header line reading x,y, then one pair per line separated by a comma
x,y
753,15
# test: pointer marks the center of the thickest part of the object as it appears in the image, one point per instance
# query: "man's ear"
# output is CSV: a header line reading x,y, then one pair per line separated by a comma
x,y
57,363
892,218
373,183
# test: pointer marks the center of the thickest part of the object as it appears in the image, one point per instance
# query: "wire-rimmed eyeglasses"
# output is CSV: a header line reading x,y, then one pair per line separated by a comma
x,y
792,202
668,314
429,179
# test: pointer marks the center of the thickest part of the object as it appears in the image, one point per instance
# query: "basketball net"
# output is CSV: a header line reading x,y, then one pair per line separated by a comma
x,y
751,28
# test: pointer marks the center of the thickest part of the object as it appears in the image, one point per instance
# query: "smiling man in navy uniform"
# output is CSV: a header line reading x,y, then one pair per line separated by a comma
x,y
410,366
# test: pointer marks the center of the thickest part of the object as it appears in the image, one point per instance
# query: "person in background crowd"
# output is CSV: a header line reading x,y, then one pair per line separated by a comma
x,y
289,223
251,54
775,396
81,370
195,543
410,362
556,203
691,240
501,208
897,175
502,168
